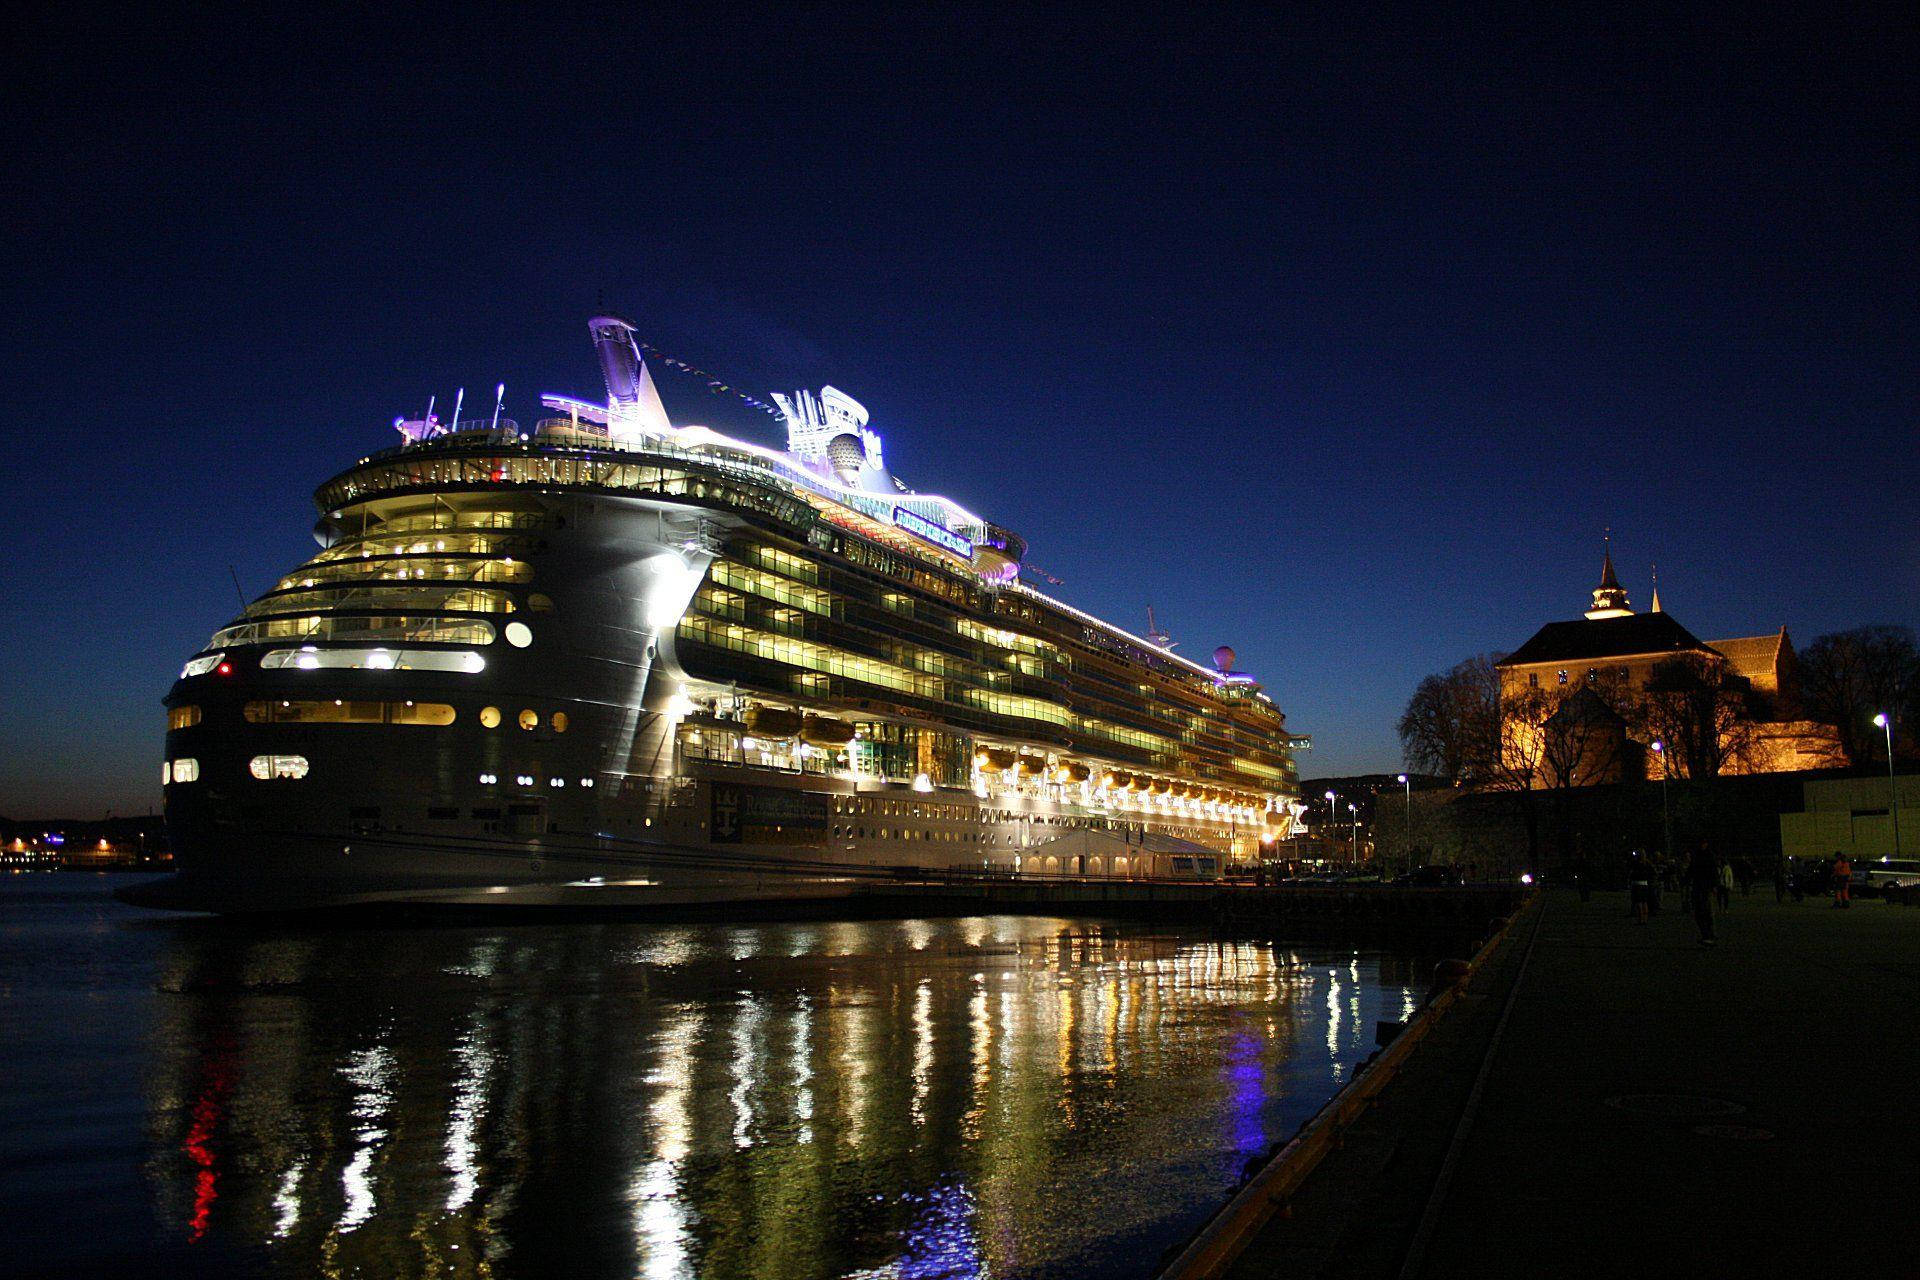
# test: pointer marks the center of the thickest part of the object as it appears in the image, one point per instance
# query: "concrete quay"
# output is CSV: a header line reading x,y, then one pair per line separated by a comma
x,y
1608,1099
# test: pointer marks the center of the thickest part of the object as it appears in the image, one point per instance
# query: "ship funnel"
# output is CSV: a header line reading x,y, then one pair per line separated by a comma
x,y
633,405
619,358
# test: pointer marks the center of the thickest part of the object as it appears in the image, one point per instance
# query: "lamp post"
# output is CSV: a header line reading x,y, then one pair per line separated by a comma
x,y
1666,817
1407,782
1885,721
1353,845
1333,816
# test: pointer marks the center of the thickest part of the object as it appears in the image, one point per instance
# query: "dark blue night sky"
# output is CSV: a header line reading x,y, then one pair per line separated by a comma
x,y
1340,348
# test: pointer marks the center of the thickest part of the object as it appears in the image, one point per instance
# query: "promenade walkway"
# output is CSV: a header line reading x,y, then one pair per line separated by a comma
x,y
1652,1107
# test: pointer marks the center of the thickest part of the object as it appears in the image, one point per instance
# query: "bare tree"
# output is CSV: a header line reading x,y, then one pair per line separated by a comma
x,y
1848,677
1451,726
1703,714
1584,737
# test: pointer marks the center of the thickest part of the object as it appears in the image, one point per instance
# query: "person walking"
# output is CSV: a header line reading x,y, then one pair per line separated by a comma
x,y
1842,880
1640,888
1724,885
1703,877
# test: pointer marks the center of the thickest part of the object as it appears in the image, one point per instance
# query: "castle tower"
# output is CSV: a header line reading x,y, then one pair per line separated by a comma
x,y
1609,598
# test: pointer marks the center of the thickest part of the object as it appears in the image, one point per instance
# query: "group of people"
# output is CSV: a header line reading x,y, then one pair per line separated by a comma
x,y
1707,884
1825,875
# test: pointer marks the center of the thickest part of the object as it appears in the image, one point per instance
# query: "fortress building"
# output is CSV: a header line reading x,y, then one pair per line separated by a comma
x,y
1609,678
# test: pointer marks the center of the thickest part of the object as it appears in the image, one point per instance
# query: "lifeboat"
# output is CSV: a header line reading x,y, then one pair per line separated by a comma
x,y
1111,778
1031,766
772,722
1161,787
1069,772
995,759
1139,782
825,731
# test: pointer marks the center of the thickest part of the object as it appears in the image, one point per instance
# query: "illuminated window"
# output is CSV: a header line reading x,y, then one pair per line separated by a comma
x,y
398,564
266,768
312,659
343,711
519,635
434,713
201,665
387,627
1563,677
559,722
186,769
166,773
490,717
183,717
529,720
382,595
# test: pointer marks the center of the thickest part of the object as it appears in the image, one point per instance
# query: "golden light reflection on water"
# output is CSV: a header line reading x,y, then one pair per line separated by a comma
x,y
991,1097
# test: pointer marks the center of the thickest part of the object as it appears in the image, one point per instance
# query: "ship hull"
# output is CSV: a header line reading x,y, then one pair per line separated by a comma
x,y
277,873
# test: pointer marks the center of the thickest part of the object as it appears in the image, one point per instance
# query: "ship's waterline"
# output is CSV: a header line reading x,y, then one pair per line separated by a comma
x,y
668,665
996,1096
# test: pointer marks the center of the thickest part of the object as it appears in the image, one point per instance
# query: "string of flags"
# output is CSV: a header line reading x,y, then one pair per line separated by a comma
x,y
1036,569
713,384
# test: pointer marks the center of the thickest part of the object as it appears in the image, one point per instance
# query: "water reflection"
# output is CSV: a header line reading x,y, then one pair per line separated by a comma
x,y
992,1097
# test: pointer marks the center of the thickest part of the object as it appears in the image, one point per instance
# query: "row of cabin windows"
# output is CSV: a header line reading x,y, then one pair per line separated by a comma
x,y
914,833
351,711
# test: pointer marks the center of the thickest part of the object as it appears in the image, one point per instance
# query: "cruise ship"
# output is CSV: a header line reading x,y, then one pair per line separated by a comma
x,y
614,660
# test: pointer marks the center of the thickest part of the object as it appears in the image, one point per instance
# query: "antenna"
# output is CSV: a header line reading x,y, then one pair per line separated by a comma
x,y
1155,634
241,595
499,394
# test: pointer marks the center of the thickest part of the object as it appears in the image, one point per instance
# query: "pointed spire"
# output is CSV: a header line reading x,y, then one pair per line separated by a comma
x,y
1609,581
1655,606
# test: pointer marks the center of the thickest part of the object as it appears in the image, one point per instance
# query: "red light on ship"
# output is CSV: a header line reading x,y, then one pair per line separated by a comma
x,y
225,668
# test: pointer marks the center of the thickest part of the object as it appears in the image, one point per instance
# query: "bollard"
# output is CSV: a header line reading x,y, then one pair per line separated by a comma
x,y
1449,973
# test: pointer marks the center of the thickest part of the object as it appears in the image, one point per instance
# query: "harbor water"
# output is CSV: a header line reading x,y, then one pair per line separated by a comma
x,y
1004,1096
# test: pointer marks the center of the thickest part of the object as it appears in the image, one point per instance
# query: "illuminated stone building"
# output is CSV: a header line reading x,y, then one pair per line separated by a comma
x,y
1575,696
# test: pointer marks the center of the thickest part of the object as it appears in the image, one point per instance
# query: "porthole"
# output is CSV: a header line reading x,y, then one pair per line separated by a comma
x,y
518,634
559,722
490,717
529,719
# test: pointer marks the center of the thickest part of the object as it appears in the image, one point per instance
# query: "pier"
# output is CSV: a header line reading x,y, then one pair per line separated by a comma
x,y
1609,1099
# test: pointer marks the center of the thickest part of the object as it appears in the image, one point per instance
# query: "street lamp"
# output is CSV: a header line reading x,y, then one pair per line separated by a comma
x,y
1333,816
1885,721
1353,846
1407,782
1666,817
